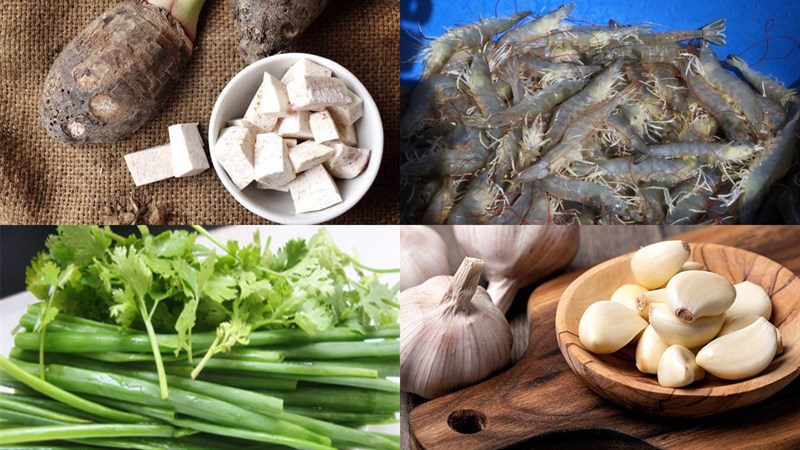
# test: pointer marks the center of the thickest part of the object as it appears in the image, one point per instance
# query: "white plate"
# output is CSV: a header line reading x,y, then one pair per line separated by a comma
x,y
376,246
275,205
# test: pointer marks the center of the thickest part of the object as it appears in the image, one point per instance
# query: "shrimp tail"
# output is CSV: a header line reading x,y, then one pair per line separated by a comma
x,y
715,32
737,62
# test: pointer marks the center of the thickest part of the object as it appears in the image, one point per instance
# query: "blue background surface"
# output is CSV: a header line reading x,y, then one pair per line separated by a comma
x,y
765,33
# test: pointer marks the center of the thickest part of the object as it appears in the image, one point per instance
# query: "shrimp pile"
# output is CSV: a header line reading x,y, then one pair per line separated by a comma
x,y
531,120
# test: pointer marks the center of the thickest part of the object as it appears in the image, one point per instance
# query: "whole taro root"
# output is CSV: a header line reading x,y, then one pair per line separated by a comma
x,y
266,27
119,71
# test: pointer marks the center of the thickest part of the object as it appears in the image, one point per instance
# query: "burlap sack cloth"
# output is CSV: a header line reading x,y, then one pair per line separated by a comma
x,y
45,182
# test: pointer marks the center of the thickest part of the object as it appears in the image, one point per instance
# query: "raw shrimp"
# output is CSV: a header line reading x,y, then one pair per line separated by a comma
x,y
713,33
442,202
570,148
507,150
665,172
690,198
546,70
774,115
705,151
645,54
597,90
731,123
594,195
420,102
624,129
477,202
537,28
534,104
731,87
480,85
589,40
472,36
765,85
653,204
769,167
448,162
421,196
515,212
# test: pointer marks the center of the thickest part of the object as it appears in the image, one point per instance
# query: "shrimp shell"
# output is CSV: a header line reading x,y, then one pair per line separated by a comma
x,y
665,172
725,113
537,28
765,85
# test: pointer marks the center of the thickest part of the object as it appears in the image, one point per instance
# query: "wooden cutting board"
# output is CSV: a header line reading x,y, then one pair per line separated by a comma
x,y
540,395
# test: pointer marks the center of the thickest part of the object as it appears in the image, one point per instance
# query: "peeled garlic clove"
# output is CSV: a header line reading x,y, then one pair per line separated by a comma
x,y
654,265
606,327
677,367
750,299
645,299
695,294
649,351
736,323
691,265
674,331
626,295
741,354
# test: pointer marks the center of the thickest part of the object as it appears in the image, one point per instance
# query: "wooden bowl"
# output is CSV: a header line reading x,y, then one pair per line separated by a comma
x,y
615,376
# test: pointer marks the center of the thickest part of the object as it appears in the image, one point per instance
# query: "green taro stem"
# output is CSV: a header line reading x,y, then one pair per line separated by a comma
x,y
186,12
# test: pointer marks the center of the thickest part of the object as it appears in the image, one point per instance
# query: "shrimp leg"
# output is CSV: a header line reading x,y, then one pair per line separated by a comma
x,y
725,113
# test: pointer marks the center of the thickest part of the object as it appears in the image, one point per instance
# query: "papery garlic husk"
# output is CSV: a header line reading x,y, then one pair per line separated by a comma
x,y
736,323
677,367
674,331
645,299
423,255
655,264
452,335
695,293
649,350
627,294
516,256
750,299
692,265
606,327
741,354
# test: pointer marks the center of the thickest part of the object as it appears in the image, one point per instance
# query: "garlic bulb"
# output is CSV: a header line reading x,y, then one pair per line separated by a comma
x,y
649,350
695,293
517,256
452,334
645,299
655,264
423,254
741,354
677,367
606,327
627,294
750,299
674,331
736,323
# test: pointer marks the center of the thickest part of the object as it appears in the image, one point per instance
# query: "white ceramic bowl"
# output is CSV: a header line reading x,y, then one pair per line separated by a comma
x,y
275,205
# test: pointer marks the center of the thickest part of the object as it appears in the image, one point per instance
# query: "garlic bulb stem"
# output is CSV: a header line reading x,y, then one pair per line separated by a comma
x,y
462,288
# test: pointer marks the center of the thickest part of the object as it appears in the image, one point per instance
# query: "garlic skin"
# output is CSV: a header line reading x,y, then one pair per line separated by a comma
x,y
674,331
655,264
677,368
741,354
517,256
627,294
695,293
606,327
649,351
750,299
423,254
736,323
645,299
691,265
452,335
